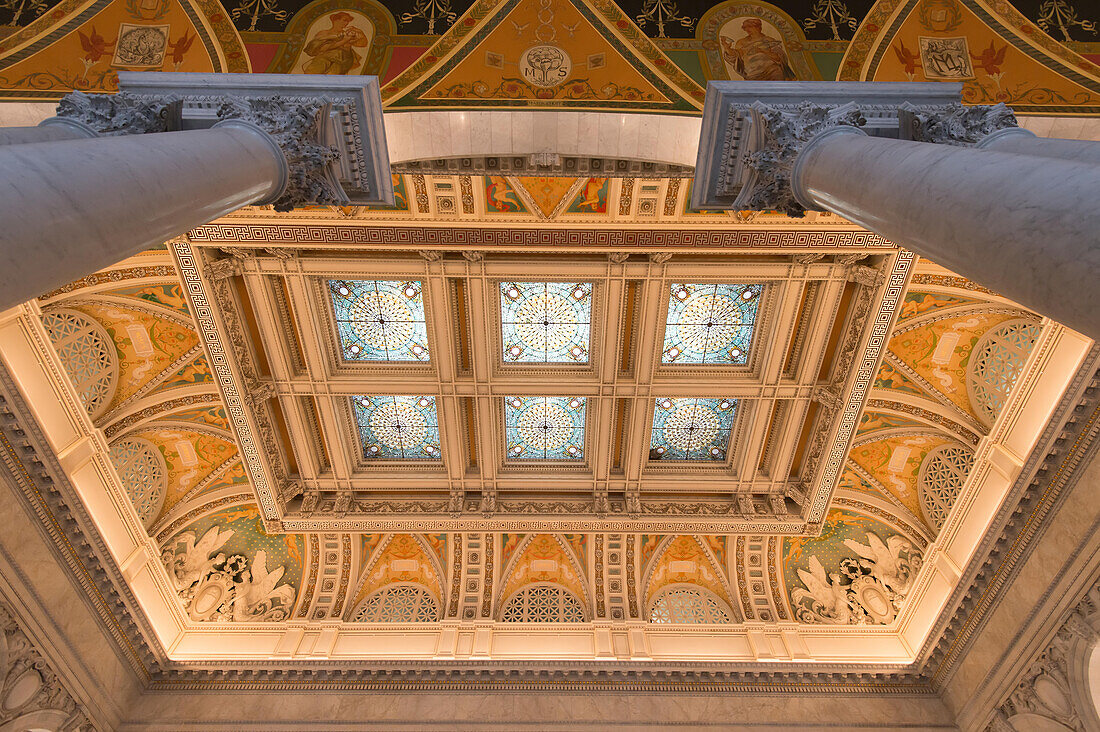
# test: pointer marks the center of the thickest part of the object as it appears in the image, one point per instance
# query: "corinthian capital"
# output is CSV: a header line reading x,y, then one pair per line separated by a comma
x,y
119,114
956,124
295,127
785,131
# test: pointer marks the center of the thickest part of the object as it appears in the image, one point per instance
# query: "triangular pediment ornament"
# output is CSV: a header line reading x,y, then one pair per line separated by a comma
x,y
529,53
990,47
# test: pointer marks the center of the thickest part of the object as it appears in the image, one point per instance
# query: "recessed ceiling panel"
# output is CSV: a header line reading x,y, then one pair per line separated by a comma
x,y
380,320
546,322
692,429
710,323
397,427
544,428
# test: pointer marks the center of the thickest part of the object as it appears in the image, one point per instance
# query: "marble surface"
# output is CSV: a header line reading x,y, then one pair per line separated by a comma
x,y
73,207
1022,226
448,134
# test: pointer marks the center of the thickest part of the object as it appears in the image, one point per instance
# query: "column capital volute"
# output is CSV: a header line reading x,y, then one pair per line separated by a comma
x,y
957,124
125,113
293,128
991,139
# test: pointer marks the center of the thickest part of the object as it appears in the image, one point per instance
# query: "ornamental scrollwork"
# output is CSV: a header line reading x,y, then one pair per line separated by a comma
x,y
295,126
214,587
867,589
958,124
124,113
787,129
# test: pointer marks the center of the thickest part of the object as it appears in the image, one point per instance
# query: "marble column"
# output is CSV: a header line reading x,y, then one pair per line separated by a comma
x,y
1026,142
904,161
1026,227
73,206
51,130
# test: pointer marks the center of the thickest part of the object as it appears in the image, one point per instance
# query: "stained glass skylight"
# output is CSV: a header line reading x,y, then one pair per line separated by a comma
x,y
544,428
397,427
546,322
710,323
380,320
691,429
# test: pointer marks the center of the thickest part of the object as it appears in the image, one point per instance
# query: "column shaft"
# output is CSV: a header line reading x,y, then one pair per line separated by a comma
x,y
1024,143
73,207
1023,226
41,133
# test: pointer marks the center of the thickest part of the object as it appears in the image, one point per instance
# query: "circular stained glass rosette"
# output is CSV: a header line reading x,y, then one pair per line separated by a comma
x,y
545,322
692,429
380,320
544,428
397,428
710,323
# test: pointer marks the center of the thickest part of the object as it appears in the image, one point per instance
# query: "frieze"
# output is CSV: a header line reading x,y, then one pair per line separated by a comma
x,y
413,237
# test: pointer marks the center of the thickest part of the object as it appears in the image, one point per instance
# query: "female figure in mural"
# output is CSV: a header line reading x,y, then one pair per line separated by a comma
x,y
333,49
755,56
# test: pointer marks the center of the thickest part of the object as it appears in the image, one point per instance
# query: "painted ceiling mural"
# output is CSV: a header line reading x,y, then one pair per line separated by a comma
x,y
131,347
177,459
653,55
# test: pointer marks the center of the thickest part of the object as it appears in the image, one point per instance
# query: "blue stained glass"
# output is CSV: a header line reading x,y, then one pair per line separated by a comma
x,y
710,323
397,427
691,429
546,322
544,428
380,320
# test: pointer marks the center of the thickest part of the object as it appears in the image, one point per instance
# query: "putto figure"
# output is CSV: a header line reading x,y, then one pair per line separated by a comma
x,y
756,56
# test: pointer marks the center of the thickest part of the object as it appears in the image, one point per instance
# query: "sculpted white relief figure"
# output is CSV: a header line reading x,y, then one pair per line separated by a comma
x,y
868,589
216,587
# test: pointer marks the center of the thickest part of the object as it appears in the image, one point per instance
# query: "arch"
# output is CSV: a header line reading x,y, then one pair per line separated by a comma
x,y
941,476
720,17
540,559
143,473
684,560
88,355
375,57
400,559
996,363
688,604
543,602
398,602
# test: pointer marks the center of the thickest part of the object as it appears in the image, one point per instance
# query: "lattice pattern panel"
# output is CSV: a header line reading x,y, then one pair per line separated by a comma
x,y
543,603
142,471
87,354
942,475
689,605
996,364
398,603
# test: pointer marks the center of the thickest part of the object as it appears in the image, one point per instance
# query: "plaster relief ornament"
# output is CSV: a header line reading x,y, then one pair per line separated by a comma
x,y
214,587
867,590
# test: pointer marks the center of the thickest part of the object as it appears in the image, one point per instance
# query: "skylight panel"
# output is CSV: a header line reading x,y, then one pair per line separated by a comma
x,y
397,427
546,322
710,323
696,429
544,428
380,320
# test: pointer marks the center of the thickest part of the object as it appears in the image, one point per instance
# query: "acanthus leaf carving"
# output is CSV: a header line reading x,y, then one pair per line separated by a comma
x,y
124,113
295,126
787,129
957,124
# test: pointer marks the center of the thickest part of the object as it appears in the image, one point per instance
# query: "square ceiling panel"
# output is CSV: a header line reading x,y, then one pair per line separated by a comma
x,y
397,427
710,323
692,429
546,322
544,428
380,320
